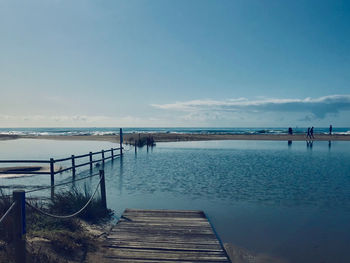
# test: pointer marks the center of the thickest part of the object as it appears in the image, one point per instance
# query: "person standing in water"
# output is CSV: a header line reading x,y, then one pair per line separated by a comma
x,y
330,129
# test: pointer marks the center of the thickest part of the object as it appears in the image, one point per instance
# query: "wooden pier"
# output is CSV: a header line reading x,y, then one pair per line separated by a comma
x,y
163,236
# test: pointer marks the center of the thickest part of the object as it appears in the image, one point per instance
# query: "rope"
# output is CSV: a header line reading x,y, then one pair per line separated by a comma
x,y
7,212
48,187
66,216
53,186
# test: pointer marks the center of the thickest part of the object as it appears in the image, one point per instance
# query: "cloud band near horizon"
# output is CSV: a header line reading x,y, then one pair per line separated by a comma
x,y
319,107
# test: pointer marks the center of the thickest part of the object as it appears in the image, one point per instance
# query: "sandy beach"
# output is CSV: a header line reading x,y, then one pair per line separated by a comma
x,y
173,137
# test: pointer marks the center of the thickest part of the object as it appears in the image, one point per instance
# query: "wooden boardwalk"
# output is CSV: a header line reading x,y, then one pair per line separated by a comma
x,y
163,236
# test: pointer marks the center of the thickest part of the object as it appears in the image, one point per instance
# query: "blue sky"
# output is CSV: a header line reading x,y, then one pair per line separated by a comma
x,y
174,63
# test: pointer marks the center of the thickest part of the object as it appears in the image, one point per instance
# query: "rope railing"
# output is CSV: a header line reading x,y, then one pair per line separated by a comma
x,y
18,218
19,205
55,185
66,216
7,212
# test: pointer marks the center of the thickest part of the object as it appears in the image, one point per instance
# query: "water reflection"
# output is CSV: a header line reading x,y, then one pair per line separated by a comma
x,y
309,144
121,174
249,189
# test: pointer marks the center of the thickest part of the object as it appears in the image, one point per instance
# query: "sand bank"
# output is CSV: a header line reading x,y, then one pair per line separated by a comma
x,y
173,137
21,171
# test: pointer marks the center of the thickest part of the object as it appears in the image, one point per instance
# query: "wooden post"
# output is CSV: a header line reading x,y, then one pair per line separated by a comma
x,y
103,157
19,226
90,156
52,173
73,166
112,154
121,141
103,190
135,146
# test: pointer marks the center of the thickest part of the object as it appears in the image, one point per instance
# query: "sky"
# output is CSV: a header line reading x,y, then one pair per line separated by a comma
x,y
174,63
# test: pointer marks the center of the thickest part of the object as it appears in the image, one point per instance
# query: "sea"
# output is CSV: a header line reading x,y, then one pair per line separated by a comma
x,y
196,130
276,201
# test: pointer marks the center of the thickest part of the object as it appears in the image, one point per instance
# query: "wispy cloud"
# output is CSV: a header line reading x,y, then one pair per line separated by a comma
x,y
319,107
73,121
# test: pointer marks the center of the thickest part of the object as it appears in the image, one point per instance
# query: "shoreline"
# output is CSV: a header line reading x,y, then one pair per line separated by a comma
x,y
129,138
173,137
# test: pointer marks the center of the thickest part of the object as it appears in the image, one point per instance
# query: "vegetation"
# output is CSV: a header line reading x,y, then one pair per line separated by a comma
x,y
141,141
50,239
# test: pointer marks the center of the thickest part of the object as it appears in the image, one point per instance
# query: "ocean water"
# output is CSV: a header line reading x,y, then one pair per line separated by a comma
x,y
199,130
289,201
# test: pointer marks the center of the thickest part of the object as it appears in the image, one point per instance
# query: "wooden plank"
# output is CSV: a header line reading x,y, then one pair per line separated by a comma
x,y
125,260
167,213
164,245
163,236
163,226
167,255
164,220
165,230
179,239
162,211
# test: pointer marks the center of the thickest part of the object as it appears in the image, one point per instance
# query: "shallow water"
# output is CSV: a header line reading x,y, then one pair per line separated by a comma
x,y
289,201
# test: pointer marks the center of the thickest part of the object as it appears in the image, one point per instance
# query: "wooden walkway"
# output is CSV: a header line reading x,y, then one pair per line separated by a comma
x,y
163,236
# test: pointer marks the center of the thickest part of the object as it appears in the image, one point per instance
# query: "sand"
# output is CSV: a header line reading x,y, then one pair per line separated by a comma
x,y
21,171
172,137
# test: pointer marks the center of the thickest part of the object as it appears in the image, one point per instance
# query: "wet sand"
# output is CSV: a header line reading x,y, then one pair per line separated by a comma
x,y
173,137
21,171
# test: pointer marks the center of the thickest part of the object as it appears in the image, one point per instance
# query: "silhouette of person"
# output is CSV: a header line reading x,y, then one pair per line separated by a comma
x,y
308,133
290,131
330,129
312,132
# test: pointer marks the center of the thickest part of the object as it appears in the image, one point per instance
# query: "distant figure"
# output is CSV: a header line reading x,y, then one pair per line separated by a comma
x,y
290,131
308,133
312,132
330,129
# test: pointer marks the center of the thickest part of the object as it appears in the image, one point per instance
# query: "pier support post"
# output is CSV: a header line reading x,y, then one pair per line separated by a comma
x,y
19,226
73,166
103,157
112,154
121,141
103,190
52,174
90,156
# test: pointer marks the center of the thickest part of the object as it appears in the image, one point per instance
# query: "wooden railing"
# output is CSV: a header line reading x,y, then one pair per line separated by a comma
x,y
73,159
17,208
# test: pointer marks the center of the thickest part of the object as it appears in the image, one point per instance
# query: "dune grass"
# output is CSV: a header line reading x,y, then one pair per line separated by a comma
x,y
65,237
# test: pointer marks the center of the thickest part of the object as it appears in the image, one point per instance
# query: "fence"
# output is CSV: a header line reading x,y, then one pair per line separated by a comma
x,y
19,216
17,208
72,158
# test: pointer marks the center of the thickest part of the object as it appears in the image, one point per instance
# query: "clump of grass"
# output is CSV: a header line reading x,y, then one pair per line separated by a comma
x,y
5,226
64,236
71,201
37,222
142,141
